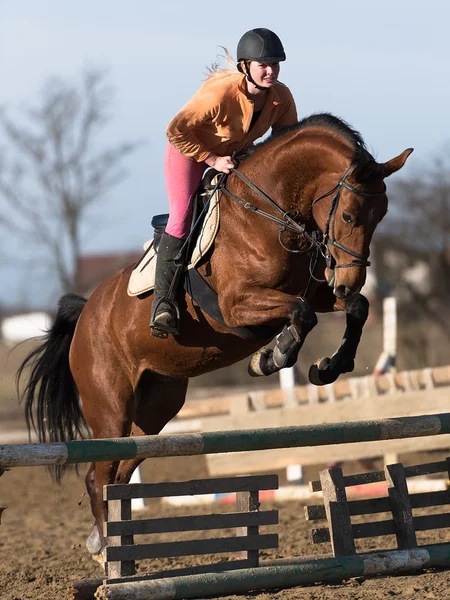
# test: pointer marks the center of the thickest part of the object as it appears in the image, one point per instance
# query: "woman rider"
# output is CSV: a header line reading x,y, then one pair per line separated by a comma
x,y
227,114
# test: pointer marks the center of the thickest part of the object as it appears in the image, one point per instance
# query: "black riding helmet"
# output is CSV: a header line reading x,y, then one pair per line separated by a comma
x,y
261,45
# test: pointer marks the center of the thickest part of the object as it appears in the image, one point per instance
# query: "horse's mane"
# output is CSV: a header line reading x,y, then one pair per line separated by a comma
x,y
328,121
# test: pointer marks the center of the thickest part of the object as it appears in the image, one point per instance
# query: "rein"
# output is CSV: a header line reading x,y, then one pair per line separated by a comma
x,y
321,240
287,222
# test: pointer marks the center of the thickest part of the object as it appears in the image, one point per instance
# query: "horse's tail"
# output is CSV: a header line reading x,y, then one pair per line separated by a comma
x,y
52,406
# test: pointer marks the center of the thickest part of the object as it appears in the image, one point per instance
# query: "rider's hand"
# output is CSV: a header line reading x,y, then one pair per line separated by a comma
x,y
220,163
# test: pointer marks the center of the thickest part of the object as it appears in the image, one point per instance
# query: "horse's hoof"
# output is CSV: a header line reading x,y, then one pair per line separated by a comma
x,y
261,363
320,372
98,558
94,542
159,333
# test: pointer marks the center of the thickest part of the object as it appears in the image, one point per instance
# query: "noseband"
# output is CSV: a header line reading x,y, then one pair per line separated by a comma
x,y
287,221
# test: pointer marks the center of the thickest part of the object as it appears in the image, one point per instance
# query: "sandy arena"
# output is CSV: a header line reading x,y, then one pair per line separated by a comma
x,y
43,533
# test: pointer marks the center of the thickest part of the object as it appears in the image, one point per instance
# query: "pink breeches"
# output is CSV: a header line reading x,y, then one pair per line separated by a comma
x,y
183,176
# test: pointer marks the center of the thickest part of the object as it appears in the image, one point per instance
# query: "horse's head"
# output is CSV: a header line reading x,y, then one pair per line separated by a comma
x,y
348,220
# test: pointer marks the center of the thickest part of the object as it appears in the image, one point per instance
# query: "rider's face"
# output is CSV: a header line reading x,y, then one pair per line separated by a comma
x,y
264,74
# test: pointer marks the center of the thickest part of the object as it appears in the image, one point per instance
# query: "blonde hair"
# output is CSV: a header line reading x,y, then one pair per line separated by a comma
x,y
218,68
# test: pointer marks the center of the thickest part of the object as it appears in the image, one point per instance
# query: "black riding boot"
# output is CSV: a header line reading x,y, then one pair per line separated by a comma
x,y
165,312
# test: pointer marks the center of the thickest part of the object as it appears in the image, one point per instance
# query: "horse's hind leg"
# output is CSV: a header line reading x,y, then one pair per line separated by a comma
x,y
109,413
158,400
327,370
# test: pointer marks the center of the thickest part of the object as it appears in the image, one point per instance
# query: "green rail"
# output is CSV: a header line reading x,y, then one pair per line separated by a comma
x,y
22,455
326,570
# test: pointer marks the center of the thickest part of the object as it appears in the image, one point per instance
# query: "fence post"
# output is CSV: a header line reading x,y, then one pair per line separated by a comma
x,y
294,472
400,506
245,502
120,510
388,357
338,515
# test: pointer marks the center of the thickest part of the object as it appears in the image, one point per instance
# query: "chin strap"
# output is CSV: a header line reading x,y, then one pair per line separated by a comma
x,y
246,72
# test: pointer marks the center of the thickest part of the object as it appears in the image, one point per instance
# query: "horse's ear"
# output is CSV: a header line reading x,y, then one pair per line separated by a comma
x,y
393,165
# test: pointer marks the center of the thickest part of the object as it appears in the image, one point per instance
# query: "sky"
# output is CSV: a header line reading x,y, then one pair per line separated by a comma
x,y
384,67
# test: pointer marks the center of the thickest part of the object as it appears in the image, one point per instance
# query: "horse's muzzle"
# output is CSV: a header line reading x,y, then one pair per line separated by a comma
x,y
343,292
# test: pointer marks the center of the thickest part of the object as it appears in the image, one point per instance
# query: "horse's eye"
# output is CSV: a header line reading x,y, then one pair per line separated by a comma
x,y
348,218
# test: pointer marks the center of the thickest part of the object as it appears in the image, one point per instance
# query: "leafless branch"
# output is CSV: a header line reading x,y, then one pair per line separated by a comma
x,y
61,169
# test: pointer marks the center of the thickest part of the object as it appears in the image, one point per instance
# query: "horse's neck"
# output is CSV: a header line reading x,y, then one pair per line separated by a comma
x,y
243,222
290,170
290,182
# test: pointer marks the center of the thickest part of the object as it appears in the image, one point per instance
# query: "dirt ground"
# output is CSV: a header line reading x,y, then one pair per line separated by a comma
x,y
43,533
44,528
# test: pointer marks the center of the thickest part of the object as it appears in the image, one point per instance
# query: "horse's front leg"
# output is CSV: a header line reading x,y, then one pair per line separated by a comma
x,y
289,342
327,370
262,306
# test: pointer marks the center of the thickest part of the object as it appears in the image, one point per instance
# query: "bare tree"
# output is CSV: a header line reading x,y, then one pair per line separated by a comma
x,y
412,259
59,170
420,219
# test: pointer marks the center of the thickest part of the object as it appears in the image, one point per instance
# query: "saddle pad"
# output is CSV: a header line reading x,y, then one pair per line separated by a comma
x,y
142,277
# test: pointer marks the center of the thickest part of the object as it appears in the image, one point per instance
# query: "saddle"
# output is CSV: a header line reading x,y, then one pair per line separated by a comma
x,y
142,279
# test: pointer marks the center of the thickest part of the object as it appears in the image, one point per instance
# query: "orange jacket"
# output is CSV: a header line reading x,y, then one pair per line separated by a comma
x,y
217,118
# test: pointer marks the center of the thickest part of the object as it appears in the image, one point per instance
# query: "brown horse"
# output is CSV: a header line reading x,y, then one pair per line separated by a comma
x,y
302,248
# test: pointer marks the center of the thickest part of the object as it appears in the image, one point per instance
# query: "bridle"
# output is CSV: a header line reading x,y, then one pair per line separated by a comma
x,y
330,239
320,240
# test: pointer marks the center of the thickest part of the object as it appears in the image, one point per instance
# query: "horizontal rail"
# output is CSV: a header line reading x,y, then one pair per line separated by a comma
x,y
191,547
359,530
426,522
376,476
282,576
219,485
218,567
191,523
376,528
22,455
378,505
